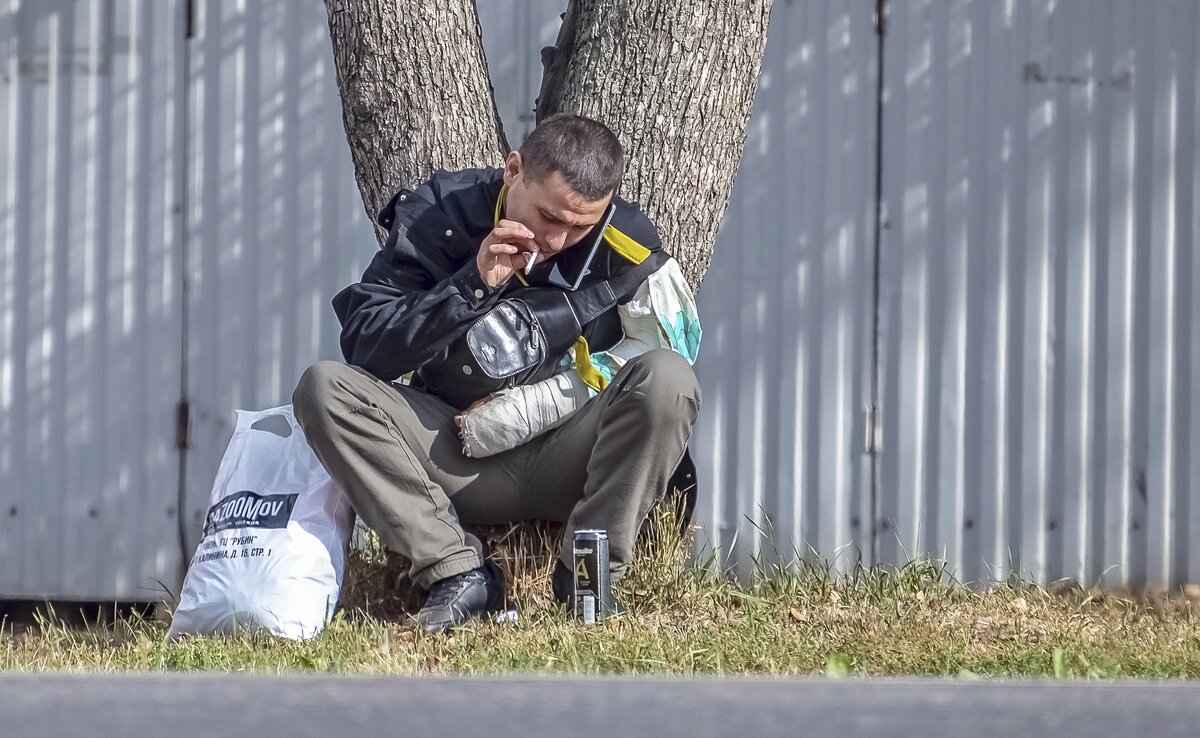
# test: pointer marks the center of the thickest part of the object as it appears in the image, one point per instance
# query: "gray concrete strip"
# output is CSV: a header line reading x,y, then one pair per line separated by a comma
x,y
180,705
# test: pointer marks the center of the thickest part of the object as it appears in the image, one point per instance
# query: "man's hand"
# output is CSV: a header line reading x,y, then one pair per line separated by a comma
x,y
472,406
505,250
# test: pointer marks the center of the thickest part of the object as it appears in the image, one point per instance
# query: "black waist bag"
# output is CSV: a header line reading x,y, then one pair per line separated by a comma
x,y
515,343
523,338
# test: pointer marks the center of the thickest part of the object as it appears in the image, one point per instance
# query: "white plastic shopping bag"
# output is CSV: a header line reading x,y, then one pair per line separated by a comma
x,y
275,537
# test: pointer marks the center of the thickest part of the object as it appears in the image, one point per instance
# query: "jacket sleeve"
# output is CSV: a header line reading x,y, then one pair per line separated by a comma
x,y
409,306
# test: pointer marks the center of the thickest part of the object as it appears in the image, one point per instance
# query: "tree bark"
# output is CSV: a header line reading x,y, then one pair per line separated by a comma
x,y
676,81
415,92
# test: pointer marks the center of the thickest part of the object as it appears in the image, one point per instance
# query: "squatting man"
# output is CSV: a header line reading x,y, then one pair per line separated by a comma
x,y
477,392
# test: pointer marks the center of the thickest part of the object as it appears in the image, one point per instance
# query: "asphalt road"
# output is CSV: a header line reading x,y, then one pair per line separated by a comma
x,y
179,705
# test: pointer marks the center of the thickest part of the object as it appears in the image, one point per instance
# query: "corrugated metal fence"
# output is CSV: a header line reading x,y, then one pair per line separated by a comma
x,y
1038,322
90,298
163,196
1037,333
786,306
1030,348
276,225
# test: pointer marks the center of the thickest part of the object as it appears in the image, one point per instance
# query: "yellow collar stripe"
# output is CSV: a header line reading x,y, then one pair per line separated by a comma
x,y
500,205
625,246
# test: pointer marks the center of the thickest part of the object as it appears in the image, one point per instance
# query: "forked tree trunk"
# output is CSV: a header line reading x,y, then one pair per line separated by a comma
x,y
674,78
415,91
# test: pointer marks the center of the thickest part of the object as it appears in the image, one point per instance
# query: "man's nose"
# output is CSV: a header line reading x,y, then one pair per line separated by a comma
x,y
555,240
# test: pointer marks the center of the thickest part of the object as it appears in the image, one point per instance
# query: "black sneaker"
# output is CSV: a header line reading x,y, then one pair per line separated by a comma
x,y
455,600
562,583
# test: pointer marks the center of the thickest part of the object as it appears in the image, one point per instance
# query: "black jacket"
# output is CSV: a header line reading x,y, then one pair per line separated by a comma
x,y
423,290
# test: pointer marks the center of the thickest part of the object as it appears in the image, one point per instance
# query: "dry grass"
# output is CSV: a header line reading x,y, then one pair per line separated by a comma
x,y
686,620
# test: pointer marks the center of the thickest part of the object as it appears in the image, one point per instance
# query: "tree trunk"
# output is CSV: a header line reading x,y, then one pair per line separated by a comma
x,y
415,92
675,80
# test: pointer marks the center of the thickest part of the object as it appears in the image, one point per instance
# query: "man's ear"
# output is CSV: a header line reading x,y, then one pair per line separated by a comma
x,y
512,167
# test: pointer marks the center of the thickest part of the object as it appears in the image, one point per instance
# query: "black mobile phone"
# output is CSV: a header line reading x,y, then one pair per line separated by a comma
x,y
567,268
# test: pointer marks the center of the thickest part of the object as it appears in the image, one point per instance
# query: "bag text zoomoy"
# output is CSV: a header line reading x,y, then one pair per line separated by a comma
x,y
246,509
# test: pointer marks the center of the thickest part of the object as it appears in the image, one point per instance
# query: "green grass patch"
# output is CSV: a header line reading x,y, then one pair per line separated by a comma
x,y
682,619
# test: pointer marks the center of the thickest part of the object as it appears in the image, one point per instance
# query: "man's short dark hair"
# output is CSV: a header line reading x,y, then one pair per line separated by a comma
x,y
585,151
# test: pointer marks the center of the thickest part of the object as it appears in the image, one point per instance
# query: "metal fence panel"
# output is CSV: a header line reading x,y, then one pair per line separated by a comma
x,y
514,32
276,225
785,365
90,322
1039,329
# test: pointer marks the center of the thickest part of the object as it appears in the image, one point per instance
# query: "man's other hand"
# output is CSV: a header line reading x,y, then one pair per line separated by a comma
x,y
505,250
472,406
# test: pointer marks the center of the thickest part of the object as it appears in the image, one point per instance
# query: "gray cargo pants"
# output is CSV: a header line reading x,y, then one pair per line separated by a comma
x,y
395,450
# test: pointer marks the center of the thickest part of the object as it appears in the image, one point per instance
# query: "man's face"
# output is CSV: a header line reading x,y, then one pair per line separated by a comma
x,y
558,215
